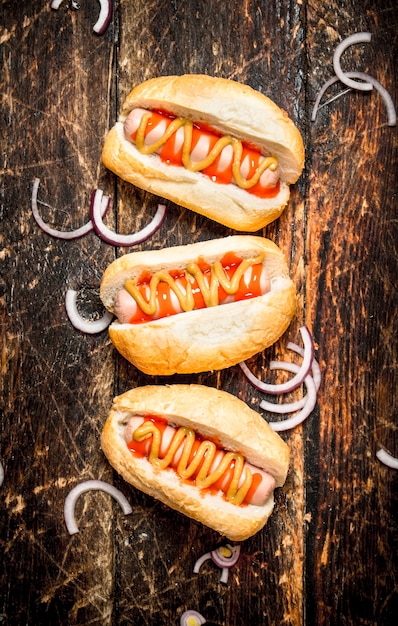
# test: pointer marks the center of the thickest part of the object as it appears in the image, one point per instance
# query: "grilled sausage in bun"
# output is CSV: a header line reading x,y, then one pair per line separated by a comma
x,y
199,450
203,306
211,145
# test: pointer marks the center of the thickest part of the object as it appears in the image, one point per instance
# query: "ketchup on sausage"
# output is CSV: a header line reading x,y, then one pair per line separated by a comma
x,y
158,440
169,291
208,151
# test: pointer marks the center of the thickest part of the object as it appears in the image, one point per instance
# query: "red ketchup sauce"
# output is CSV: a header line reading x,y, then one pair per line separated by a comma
x,y
230,263
143,448
171,154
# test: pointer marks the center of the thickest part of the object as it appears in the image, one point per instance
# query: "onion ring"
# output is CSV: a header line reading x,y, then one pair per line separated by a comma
x,y
85,326
285,407
90,485
387,459
291,407
1,474
297,380
192,618
104,17
316,370
343,45
59,234
322,90
115,239
309,406
198,564
391,113
224,557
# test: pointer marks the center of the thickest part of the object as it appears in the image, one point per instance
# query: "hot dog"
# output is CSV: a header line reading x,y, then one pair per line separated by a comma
x,y
199,307
201,451
212,145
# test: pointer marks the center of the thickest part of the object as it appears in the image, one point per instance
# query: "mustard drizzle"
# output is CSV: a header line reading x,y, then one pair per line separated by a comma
x,y
218,278
268,162
204,455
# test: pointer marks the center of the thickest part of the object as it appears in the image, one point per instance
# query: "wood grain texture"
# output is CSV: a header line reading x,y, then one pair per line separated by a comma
x,y
328,553
351,291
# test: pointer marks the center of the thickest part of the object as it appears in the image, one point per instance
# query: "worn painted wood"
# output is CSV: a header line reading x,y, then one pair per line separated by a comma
x,y
328,553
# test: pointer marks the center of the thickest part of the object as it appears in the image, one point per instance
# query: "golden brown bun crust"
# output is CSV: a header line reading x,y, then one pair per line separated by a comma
x,y
206,339
212,413
232,108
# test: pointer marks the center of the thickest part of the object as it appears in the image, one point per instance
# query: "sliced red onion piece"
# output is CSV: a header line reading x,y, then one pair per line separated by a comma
x,y
311,396
322,90
55,4
296,381
59,234
285,407
225,557
391,112
104,17
1,474
192,618
90,485
291,407
343,76
85,326
387,459
200,561
115,239
316,370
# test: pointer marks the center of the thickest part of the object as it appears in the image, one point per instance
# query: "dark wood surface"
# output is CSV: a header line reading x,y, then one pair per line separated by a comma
x,y
328,553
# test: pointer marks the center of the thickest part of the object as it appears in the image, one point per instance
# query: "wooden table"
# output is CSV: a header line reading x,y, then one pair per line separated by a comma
x,y
328,553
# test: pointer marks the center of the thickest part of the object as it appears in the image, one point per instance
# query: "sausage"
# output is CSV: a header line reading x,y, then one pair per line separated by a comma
x,y
199,450
211,145
254,282
198,307
203,141
262,484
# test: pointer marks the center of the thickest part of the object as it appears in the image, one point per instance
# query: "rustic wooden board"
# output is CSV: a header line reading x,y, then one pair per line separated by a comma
x,y
351,283
328,553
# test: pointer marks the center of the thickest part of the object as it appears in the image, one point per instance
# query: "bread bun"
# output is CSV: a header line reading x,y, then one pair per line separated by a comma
x,y
213,414
212,338
229,107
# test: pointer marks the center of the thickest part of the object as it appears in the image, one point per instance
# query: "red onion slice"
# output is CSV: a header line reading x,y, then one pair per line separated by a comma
x,y
200,561
297,380
387,459
90,485
104,17
1,474
310,397
192,618
291,407
322,90
59,234
391,112
115,239
85,326
224,557
316,370
343,76
285,407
